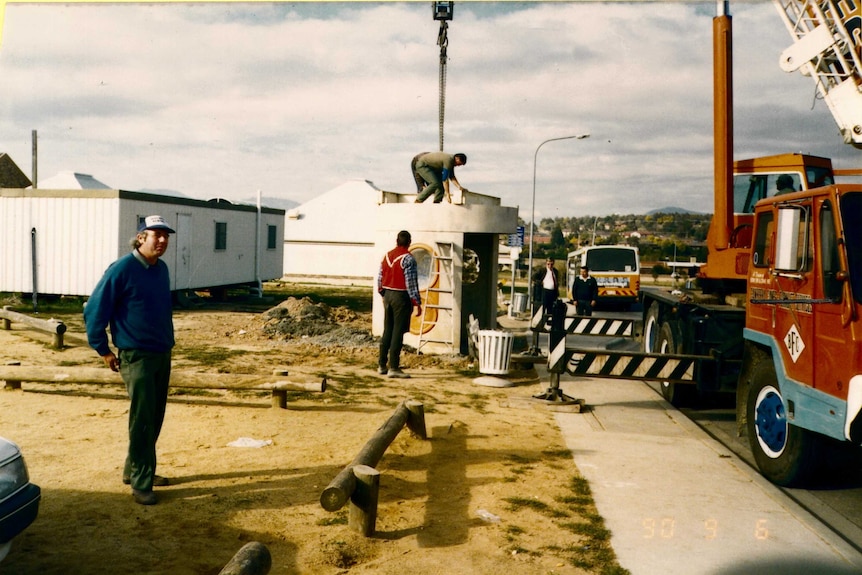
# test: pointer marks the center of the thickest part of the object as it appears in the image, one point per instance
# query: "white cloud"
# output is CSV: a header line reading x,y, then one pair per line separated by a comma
x,y
223,99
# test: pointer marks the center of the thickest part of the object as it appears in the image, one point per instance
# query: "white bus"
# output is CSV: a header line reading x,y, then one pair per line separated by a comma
x,y
616,269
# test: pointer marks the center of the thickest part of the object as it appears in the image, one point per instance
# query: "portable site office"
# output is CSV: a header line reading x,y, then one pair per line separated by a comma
x,y
61,241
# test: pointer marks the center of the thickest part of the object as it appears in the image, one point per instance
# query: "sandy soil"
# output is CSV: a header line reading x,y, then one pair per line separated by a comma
x,y
492,489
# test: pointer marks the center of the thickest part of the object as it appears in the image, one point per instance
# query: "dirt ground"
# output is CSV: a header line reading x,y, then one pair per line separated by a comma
x,y
492,490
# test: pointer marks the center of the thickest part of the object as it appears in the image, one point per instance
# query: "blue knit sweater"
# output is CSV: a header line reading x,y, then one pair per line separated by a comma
x,y
135,300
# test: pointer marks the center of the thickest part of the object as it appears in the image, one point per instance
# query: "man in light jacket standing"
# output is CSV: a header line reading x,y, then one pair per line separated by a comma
x,y
436,169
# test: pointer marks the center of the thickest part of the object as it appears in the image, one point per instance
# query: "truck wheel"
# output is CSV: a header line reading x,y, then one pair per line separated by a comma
x,y
785,453
677,394
651,329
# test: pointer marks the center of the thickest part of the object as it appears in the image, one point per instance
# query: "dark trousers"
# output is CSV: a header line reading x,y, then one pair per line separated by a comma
x,y
549,296
397,308
147,376
420,183
584,307
434,179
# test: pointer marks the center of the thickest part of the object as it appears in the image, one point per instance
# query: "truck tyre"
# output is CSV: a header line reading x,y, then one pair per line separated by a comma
x,y
677,394
785,453
651,328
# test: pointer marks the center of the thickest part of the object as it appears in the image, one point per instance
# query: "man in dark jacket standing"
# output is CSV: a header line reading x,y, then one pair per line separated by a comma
x,y
134,298
585,290
398,284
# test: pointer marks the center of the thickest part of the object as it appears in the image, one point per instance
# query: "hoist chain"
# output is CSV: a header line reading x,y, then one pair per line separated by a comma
x,y
443,42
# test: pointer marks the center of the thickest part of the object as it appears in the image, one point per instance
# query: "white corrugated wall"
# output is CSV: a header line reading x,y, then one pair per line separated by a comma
x,y
80,233
76,238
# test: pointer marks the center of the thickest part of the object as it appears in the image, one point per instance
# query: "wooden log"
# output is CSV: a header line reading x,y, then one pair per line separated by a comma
x,y
339,490
14,375
280,389
252,559
416,418
52,326
190,379
363,501
12,383
279,399
44,374
295,386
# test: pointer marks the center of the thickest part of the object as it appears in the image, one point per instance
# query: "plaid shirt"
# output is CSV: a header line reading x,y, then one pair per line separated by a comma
x,y
411,276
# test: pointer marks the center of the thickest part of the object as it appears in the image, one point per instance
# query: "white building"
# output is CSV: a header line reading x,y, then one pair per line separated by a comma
x,y
331,238
60,241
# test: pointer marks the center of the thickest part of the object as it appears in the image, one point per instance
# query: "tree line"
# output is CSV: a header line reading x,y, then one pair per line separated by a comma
x,y
659,237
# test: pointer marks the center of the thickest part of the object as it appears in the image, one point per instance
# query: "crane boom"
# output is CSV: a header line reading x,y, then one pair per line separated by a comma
x,y
827,46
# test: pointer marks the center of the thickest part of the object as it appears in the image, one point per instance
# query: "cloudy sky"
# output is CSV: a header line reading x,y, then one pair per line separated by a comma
x,y
293,99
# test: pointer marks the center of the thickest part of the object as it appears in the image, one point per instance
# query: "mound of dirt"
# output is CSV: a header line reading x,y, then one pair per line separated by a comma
x,y
303,318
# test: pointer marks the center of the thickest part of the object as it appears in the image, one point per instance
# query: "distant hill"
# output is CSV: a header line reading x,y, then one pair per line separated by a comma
x,y
670,210
269,202
277,203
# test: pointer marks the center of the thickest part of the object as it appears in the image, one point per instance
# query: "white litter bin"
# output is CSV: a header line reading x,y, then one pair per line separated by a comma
x,y
519,303
495,351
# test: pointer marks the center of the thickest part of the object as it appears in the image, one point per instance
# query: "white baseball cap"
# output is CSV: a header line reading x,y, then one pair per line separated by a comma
x,y
155,223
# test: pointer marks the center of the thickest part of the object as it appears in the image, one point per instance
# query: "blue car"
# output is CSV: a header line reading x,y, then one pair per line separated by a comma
x,y
19,499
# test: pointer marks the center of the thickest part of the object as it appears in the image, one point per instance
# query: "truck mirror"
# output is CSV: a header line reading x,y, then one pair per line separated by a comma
x,y
791,239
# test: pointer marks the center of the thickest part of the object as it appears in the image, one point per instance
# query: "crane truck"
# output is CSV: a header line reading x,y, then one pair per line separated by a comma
x,y
775,316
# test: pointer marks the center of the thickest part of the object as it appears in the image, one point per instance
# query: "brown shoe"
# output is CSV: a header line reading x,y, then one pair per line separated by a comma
x,y
144,497
158,480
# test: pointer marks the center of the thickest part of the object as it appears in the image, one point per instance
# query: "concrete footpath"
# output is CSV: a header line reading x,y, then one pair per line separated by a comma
x,y
679,502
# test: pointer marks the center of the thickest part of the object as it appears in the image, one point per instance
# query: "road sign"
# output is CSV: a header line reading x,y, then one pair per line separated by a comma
x,y
516,240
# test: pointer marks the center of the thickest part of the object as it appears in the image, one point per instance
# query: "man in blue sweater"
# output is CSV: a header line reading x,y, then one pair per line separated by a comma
x,y
134,298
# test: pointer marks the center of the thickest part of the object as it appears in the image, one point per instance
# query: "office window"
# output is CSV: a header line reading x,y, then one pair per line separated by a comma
x,y
221,235
271,237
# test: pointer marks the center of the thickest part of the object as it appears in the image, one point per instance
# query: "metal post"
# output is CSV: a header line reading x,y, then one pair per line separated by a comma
x,y
34,263
35,160
533,211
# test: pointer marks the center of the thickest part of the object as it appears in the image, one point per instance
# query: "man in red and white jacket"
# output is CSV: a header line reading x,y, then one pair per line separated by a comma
x,y
398,283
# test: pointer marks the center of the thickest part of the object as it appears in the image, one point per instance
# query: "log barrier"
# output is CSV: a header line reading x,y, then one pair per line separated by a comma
x,y
363,500
252,559
55,327
360,471
13,375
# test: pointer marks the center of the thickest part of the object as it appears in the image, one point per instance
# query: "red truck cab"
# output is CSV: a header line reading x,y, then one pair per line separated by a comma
x,y
802,380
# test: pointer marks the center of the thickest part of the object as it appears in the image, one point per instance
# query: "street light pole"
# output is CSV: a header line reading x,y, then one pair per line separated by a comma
x,y
533,212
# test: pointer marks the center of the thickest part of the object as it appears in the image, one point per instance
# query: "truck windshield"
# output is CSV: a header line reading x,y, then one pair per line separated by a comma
x,y
851,215
748,189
